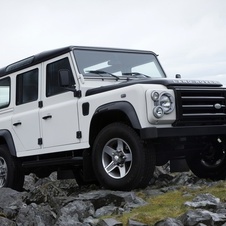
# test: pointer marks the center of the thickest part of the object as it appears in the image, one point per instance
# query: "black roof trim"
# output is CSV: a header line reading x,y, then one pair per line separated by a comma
x,y
43,56
33,60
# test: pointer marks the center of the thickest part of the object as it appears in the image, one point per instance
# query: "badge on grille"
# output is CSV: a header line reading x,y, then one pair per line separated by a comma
x,y
217,106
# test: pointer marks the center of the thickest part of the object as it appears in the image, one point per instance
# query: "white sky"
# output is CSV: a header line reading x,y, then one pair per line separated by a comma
x,y
188,35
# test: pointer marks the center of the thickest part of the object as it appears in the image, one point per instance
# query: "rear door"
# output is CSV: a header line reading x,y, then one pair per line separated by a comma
x,y
25,120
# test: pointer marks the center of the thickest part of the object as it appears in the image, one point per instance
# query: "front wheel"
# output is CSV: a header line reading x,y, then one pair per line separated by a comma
x,y
210,162
11,174
120,159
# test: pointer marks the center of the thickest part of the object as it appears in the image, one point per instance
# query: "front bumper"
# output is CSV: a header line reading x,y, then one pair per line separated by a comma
x,y
182,131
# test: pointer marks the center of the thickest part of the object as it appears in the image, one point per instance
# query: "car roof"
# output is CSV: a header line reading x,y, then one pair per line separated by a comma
x,y
46,55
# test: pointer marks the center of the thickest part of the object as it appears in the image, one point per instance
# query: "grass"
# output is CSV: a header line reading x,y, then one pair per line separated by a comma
x,y
170,204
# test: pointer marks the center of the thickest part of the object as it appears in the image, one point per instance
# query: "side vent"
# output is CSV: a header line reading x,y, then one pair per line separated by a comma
x,y
85,109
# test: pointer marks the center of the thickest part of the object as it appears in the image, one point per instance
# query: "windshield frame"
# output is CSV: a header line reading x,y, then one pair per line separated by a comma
x,y
116,62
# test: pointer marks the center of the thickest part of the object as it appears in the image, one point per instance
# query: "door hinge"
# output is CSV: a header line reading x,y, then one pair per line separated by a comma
x,y
79,134
39,141
77,93
40,104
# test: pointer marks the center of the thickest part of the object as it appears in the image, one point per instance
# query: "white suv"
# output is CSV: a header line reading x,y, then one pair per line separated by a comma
x,y
108,115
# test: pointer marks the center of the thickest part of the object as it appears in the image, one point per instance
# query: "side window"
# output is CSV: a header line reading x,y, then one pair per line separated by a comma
x,y
4,92
52,76
27,87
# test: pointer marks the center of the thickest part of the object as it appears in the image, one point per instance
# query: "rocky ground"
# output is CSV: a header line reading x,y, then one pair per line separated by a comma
x,y
49,202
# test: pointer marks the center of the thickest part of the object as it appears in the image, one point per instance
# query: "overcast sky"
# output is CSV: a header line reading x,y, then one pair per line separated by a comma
x,y
188,35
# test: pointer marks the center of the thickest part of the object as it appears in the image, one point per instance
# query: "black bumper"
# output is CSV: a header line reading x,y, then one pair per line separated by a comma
x,y
183,131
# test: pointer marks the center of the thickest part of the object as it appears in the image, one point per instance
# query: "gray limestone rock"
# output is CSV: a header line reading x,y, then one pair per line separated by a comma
x,y
135,223
6,222
109,222
206,201
169,222
194,217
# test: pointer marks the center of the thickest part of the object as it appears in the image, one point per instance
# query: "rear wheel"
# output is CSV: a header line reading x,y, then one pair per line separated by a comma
x,y
120,159
11,174
210,162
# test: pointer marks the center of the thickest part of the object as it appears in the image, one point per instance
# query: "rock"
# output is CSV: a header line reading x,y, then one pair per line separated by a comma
x,y
6,222
204,200
47,193
108,210
30,181
10,202
184,178
75,212
193,217
39,215
169,222
109,222
51,202
135,223
100,198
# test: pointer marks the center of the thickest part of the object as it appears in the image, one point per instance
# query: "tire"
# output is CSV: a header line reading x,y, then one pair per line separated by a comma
x,y
210,162
120,159
11,174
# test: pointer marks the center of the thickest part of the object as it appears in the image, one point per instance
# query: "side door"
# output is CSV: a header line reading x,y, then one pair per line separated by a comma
x,y
25,119
59,114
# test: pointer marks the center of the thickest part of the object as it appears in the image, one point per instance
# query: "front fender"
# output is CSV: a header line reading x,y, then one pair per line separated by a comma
x,y
123,106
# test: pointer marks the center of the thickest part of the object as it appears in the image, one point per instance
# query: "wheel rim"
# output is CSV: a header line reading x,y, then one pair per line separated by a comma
x,y
213,159
3,172
117,158
215,156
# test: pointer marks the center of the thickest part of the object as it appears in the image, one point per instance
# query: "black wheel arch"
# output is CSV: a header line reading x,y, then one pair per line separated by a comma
x,y
120,111
6,138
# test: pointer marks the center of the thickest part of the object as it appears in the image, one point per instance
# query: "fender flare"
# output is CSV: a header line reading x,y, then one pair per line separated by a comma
x,y
123,106
6,135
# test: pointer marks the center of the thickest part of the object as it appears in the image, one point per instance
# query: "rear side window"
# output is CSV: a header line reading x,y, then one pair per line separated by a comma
x,y
52,76
27,87
4,92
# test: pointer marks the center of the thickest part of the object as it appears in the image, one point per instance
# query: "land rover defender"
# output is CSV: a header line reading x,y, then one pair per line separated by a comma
x,y
106,115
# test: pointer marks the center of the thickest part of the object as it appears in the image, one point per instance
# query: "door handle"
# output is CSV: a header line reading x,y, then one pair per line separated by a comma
x,y
17,123
47,117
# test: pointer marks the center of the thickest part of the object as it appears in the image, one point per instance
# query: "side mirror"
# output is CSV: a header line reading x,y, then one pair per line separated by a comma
x,y
64,78
65,82
178,76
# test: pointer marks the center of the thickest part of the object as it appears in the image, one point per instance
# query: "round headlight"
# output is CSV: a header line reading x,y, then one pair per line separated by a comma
x,y
155,96
166,102
158,112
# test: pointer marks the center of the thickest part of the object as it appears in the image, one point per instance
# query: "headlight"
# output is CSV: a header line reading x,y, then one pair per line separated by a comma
x,y
158,112
155,95
163,102
166,102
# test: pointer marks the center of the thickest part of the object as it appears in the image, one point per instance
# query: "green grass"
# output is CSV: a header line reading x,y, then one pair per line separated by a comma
x,y
170,204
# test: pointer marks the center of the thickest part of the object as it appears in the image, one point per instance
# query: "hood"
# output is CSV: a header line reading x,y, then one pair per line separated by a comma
x,y
163,81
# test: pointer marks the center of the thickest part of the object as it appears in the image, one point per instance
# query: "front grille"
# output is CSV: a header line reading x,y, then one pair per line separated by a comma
x,y
200,106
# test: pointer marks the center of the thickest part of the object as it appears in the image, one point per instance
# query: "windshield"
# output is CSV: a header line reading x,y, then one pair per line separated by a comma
x,y
117,64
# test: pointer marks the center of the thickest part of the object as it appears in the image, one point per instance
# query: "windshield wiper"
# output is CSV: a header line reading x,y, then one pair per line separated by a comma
x,y
99,72
135,74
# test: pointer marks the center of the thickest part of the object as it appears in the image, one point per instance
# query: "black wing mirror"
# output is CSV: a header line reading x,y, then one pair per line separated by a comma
x,y
65,82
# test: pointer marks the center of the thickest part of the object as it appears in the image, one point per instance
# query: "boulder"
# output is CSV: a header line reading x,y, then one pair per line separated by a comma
x,y
169,222
195,217
39,215
109,222
206,201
